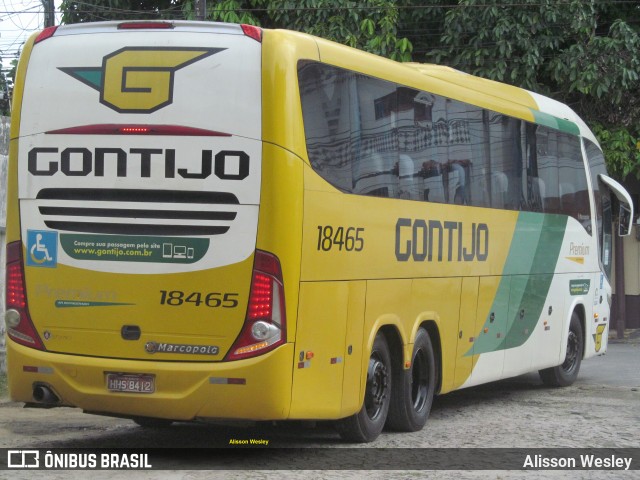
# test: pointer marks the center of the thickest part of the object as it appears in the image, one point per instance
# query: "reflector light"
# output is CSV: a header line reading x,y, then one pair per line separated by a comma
x,y
46,33
145,25
237,381
227,381
115,129
252,31
251,348
34,369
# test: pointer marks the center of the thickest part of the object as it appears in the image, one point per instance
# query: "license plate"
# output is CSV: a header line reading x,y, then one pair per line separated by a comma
x,y
131,382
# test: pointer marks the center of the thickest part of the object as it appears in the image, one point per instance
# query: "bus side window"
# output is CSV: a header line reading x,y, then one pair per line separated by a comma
x,y
326,115
374,136
536,194
499,189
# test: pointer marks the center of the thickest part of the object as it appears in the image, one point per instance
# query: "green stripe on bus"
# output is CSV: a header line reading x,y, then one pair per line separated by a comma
x,y
525,283
534,289
555,122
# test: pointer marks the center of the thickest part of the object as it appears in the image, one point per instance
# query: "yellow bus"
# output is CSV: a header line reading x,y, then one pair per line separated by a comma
x,y
213,221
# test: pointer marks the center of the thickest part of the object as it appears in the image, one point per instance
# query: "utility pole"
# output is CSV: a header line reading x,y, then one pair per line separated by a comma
x,y
201,9
49,13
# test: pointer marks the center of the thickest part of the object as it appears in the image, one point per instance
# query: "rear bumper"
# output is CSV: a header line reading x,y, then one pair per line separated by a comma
x,y
183,391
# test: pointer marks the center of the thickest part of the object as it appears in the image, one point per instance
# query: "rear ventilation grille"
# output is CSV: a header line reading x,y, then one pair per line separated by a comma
x,y
137,212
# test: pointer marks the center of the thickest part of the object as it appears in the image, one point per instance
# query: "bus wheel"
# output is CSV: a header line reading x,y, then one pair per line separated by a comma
x,y
413,394
565,374
150,422
366,425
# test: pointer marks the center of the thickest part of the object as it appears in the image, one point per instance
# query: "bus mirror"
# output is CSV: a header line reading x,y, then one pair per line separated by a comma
x,y
625,215
624,222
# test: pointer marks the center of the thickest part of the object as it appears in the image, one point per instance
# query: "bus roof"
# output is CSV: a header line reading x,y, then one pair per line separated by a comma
x,y
546,111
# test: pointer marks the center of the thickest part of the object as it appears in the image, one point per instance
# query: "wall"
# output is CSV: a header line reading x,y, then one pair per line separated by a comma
x,y
631,281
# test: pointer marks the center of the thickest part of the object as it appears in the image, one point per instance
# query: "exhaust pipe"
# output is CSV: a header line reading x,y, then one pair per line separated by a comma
x,y
44,394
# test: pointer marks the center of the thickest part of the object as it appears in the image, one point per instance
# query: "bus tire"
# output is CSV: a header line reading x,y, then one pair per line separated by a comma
x,y
413,391
565,374
366,425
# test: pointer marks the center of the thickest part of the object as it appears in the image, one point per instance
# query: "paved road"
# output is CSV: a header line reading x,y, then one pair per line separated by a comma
x,y
620,367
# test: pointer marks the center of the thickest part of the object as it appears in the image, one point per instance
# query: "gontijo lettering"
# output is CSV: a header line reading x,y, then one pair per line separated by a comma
x,y
426,240
81,162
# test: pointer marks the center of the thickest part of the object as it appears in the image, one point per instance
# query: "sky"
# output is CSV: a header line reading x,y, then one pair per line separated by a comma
x,y
18,20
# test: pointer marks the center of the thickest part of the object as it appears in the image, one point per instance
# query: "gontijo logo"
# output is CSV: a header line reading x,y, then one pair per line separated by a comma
x,y
138,79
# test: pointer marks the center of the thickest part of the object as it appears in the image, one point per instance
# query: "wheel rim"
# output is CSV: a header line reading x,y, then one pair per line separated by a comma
x,y
419,381
573,348
377,386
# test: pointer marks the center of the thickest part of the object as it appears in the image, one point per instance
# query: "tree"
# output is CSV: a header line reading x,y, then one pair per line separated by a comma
x,y
370,25
581,53
6,89
99,10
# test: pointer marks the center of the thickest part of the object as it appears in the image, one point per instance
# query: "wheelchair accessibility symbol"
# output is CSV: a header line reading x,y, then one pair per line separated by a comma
x,y
42,248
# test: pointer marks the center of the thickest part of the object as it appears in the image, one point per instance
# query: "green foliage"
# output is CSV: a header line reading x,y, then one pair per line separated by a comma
x,y
602,66
230,11
370,25
601,79
621,149
511,42
5,95
99,10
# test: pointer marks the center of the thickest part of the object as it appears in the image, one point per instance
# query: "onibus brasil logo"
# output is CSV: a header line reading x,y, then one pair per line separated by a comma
x,y
138,79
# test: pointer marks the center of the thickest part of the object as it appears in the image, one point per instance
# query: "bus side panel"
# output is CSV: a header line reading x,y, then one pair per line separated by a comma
x,y
526,300
467,330
281,194
491,323
405,305
352,384
439,299
550,332
597,330
280,221
325,363
317,380
281,112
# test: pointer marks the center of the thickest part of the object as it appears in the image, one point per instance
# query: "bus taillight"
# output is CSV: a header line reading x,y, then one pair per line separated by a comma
x,y
264,325
46,33
19,326
252,32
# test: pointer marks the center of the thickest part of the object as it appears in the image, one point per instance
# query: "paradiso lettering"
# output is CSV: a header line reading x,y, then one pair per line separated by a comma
x,y
81,162
429,240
